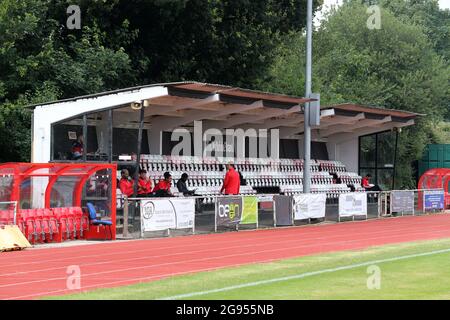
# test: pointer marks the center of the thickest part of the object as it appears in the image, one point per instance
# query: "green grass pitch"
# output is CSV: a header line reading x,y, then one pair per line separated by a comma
x,y
412,276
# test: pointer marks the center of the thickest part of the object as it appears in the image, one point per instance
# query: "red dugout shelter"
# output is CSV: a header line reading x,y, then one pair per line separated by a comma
x,y
436,179
52,199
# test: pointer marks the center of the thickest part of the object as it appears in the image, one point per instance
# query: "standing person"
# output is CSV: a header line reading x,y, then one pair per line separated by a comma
x,y
162,189
232,181
145,185
126,184
78,148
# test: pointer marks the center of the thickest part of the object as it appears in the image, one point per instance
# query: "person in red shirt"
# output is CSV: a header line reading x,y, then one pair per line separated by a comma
x,y
162,189
145,185
232,182
365,181
78,148
126,184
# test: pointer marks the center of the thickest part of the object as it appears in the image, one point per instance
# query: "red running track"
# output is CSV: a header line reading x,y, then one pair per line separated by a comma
x,y
31,274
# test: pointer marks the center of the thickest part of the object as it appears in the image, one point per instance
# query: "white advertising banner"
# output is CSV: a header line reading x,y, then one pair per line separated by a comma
x,y
157,215
185,213
307,206
353,204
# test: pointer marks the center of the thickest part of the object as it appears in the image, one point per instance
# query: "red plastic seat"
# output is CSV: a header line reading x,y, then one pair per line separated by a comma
x,y
81,221
43,221
4,217
50,223
60,215
29,225
71,223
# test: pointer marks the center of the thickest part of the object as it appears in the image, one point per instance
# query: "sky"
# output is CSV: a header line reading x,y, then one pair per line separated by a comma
x,y
443,4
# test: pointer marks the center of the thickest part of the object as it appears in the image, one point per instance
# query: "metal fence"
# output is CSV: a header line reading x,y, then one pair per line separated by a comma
x,y
379,205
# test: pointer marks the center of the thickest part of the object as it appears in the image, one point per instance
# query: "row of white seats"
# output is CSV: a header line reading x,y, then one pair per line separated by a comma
x,y
349,177
331,191
185,163
331,166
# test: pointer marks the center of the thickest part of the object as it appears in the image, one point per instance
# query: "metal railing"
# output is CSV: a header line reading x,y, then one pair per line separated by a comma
x,y
6,207
378,206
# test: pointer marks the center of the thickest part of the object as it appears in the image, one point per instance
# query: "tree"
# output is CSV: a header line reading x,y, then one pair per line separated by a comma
x,y
395,67
217,41
434,21
41,62
129,42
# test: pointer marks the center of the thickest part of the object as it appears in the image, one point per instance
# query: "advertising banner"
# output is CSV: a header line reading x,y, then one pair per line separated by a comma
x,y
157,215
402,201
353,204
228,211
433,199
185,213
283,210
307,206
250,210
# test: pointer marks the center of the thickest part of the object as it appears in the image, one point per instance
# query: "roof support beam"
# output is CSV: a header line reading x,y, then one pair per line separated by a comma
x,y
189,116
371,130
236,120
293,121
351,128
341,120
159,108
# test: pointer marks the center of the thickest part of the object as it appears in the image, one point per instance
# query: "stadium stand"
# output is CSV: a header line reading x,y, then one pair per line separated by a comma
x,y
284,176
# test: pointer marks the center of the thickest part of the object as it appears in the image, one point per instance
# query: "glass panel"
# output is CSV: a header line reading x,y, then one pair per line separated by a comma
x,y
386,150
97,137
364,172
6,185
97,191
67,144
125,133
62,192
32,191
367,151
385,177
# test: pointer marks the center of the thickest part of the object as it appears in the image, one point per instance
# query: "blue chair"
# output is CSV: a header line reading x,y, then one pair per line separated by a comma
x,y
93,218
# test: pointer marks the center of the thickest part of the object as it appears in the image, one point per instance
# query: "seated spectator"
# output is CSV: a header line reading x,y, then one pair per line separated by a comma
x,y
77,148
162,189
242,181
145,185
126,184
182,187
365,182
336,179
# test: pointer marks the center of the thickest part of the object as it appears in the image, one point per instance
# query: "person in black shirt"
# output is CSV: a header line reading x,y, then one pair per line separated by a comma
x,y
241,179
182,186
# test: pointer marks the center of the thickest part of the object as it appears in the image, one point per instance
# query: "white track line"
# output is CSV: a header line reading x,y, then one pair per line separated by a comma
x,y
239,246
199,237
181,262
134,280
303,275
390,229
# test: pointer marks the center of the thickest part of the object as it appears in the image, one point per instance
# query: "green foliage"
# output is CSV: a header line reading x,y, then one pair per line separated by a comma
x,y
40,61
426,14
395,67
129,42
216,41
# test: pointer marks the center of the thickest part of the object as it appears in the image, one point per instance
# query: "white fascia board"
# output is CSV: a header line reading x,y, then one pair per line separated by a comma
x,y
69,109
44,116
